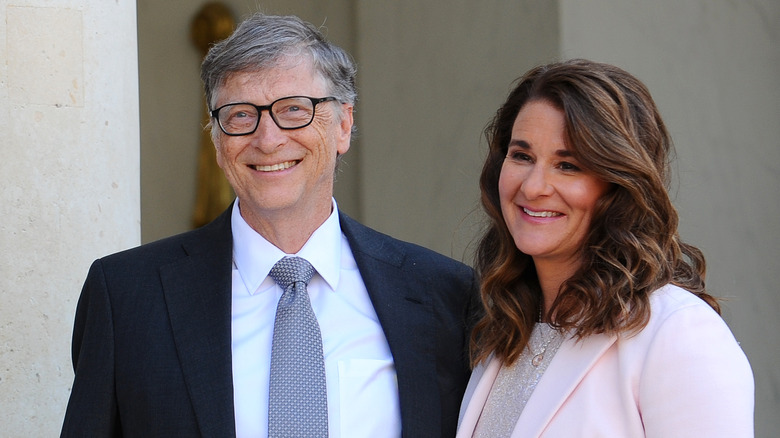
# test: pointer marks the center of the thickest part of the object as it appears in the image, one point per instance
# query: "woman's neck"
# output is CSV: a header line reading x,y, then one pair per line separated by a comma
x,y
551,275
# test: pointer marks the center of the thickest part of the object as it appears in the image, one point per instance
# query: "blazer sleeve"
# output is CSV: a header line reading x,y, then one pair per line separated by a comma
x,y
696,379
92,408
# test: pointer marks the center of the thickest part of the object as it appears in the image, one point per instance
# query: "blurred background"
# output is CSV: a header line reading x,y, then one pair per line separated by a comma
x,y
103,142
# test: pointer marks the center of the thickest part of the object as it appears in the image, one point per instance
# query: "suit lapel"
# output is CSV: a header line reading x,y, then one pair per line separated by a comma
x,y
570,365
197,291
407,319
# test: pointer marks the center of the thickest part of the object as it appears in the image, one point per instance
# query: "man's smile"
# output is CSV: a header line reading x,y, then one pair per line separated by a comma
x,y
274,167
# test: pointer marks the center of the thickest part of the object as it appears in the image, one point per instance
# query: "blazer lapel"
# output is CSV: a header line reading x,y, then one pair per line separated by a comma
x,y
482,378
406,316
569,366
197,291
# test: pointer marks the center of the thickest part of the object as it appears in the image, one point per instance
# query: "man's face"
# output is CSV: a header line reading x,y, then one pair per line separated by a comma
x,y
277,173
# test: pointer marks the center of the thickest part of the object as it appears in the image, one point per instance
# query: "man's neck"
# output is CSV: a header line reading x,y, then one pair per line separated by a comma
x,y
288,231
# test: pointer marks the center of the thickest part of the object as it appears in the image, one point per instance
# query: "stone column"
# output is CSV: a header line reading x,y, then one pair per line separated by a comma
x,y
69,185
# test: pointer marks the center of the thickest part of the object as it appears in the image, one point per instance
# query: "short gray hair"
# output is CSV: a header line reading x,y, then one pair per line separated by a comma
x,y
263,41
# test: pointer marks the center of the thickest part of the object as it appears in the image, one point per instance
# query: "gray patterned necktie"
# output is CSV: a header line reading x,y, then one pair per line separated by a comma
x,y
298,404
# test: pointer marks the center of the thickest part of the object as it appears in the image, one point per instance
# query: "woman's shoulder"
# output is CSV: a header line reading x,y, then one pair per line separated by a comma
x,y
688,350
679,315
670,300
675,312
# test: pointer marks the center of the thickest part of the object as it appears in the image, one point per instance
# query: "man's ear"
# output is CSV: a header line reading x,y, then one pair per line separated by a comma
x,y
345,131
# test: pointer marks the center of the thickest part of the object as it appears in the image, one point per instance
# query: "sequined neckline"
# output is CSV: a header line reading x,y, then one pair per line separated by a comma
x,y
515,384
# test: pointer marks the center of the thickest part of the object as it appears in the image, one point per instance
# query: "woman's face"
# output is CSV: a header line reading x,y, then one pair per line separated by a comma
x,y
547,198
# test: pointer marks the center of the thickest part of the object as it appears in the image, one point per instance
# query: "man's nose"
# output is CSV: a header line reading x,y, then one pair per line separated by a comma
x,y
268,136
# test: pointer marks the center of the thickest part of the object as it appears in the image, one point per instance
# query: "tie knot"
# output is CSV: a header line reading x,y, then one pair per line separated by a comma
x,y
290,270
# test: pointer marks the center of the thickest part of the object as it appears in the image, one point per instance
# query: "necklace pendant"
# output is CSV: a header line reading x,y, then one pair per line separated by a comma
x,y
537,359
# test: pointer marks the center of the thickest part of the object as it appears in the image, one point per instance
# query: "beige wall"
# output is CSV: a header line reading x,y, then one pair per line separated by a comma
x,y
69,189
431,78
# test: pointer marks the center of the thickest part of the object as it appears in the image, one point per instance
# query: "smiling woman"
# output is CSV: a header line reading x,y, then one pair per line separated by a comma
x,y
590,294
547,199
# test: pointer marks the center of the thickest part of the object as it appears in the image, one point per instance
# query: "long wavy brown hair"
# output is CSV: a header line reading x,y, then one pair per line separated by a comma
x,y
615,131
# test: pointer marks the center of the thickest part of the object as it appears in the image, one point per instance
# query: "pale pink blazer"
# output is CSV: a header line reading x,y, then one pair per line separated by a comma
x,y
683,375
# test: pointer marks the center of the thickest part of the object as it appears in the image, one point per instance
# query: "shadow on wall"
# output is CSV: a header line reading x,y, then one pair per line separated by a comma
x,y
213,23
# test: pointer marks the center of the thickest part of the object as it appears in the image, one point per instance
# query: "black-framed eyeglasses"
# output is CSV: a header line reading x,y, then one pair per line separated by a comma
x,y
293,112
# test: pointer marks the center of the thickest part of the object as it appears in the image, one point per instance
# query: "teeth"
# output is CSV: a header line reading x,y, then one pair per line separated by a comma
x,y
275,167
540,213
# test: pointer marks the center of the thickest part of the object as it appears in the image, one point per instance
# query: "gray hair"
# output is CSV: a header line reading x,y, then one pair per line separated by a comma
x,y
263,41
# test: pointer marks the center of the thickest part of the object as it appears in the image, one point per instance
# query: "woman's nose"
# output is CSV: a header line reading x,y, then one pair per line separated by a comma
x,y
536,183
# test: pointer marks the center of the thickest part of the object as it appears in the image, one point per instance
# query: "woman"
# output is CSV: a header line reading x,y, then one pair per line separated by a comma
x,y
597,323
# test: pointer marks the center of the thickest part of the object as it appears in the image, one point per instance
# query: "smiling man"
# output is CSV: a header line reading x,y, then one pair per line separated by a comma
x,y
283,317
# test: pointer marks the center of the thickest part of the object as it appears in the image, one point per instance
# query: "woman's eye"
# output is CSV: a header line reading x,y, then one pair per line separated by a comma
x,y
518,155
568,166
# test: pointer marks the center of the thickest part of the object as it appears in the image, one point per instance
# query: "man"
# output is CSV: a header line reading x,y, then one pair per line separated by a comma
x,y
177,337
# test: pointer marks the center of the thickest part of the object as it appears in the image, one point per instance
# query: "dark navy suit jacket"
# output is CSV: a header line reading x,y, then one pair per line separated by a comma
x,y
152,339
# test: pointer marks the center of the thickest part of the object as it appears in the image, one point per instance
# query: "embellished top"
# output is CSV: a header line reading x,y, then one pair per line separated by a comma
x,y
515,384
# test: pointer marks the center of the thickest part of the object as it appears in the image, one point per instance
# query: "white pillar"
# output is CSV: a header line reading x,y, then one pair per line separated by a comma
x,y
69,185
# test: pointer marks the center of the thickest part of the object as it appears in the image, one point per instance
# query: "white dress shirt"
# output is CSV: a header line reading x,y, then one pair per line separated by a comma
x,y
359,370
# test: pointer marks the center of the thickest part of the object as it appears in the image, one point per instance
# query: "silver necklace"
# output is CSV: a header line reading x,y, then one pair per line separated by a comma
x,y
537,359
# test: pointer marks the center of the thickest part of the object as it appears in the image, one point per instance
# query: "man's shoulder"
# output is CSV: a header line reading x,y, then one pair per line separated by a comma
x,y
213,237
373,243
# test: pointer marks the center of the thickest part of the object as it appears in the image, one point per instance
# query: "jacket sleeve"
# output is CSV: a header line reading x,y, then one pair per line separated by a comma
x,y
92,408
696,379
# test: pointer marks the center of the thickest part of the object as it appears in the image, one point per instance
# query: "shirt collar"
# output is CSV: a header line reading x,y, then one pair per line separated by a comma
x,y
254,256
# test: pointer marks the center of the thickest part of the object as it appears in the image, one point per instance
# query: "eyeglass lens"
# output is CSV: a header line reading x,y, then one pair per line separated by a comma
x,y
289,113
